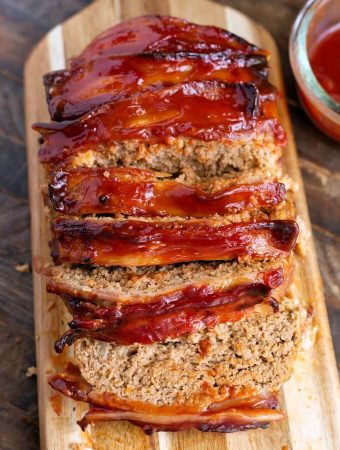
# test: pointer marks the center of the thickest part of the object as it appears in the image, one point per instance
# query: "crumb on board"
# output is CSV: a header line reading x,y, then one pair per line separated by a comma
x,y
309,336
304,236
31,371
290,184
23,268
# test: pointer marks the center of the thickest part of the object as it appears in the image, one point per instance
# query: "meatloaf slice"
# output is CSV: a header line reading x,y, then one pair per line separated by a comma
x,y
223,379
162,33
255,353
130,285
235,410
189,159
107,241
136,192
121,70
223,295
170,128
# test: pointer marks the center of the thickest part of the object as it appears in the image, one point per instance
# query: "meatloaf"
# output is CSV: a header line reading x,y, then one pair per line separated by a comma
x,y
172,230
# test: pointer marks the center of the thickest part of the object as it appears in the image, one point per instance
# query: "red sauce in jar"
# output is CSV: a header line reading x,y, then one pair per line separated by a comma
x,y
325,61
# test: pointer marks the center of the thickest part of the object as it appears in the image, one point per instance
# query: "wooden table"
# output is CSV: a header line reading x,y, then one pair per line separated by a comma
x,y
22,23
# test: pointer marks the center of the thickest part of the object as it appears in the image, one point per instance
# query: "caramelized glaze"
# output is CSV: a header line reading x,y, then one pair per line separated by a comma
x,y
162,34
206,110
194,308
72,93
149,52
142,243
136,192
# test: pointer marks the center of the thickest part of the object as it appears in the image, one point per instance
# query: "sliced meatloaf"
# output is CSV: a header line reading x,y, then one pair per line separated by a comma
x,y
172,235
190,159
233,410
164,33
223,379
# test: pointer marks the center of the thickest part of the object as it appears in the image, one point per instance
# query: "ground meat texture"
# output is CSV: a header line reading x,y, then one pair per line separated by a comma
x,y
193,159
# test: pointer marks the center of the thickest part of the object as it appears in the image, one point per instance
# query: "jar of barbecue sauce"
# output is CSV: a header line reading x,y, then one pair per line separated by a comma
x,y
314,51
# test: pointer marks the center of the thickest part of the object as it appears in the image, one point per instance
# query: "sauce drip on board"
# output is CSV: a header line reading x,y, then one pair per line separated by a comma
x,y
142,243
56,404
137,192
325,61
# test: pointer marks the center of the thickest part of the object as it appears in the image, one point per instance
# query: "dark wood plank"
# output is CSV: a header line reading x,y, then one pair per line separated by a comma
x,y
22,24
18,410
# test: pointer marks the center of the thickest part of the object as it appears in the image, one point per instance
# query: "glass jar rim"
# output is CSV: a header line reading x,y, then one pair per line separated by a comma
x,y
298,50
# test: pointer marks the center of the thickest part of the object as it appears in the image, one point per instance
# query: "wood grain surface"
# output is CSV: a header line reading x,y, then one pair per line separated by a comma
x,y
22,23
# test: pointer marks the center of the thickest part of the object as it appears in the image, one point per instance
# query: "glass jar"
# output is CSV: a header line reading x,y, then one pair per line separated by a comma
x,y
315,18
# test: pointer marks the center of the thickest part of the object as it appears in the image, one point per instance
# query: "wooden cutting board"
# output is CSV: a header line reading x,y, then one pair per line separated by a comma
x,y
310,399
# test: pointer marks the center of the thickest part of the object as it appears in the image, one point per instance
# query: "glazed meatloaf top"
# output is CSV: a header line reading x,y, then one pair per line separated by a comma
x,y
152,52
